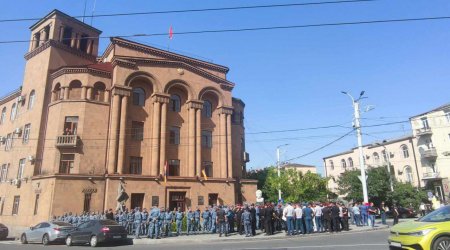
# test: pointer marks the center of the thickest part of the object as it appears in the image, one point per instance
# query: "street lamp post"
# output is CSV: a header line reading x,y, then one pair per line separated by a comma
x,y
388,159
278,169
357,126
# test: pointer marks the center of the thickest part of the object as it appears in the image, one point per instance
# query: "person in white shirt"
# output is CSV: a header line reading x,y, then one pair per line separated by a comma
x,y
299,219
289,214
318,217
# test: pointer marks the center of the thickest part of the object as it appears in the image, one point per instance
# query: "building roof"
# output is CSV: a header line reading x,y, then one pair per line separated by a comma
x,y
296,165
58,12
442,107
11,95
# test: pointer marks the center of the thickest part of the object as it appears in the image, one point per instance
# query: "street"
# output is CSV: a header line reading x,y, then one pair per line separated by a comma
x,y
368,240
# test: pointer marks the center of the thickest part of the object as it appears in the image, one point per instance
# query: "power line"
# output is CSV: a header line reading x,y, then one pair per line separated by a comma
x,y
261,28
200,10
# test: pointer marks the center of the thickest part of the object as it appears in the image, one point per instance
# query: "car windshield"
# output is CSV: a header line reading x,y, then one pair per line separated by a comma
x,y
442,214
108,223
62,224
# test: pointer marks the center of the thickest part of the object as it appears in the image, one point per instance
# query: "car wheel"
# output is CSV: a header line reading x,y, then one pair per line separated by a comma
x,y
23,239
442,243
69,241
93,241
45,240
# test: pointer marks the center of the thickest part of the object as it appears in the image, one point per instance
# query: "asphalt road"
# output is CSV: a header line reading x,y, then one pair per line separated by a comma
x,y
368,240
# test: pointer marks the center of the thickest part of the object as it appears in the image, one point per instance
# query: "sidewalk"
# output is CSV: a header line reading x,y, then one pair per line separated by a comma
x,y
236,237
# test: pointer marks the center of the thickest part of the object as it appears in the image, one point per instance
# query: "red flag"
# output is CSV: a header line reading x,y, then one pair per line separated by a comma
x,y
170,32
165,172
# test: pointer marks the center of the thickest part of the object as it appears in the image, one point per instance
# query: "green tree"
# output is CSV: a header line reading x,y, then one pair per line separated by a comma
x,y
406,195
295,186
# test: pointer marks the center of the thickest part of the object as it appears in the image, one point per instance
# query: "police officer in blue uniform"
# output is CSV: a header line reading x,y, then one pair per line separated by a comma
x,y
206,217
162,218
144,226
247,222
130,219
197,220
189,221
168,223
153,218
137,222
213,220
179,220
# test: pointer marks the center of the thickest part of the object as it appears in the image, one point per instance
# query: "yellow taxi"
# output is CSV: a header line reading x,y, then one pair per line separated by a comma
x,y
431,232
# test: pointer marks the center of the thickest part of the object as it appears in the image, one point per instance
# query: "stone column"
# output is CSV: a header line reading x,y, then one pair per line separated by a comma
x,y
191,143
73,40
162,154
223,145
112,150
122,136
61,34
66,93
60,94
78,40
44,34
89,93
90,46
198,141
106,96
83,92
229,148
155,137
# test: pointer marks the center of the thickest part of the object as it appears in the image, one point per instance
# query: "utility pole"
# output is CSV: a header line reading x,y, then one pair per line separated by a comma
x,y
278,169
388,159
357,126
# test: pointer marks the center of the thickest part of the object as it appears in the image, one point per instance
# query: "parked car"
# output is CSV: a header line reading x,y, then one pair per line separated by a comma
x,y
403,212
46,233
429,232
97,231
3,232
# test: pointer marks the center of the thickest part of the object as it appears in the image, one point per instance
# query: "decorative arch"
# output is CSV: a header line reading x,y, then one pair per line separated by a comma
x,y
57,92
181,84
75,89
214,91
156,85
408,174
99,91
31,99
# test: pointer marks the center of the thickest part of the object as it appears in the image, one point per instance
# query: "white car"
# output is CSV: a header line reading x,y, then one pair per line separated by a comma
x,y
46,233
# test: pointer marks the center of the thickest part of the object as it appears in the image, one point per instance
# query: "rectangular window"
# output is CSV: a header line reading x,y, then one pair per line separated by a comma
x,y
21,168
2,205
26,133
447,116
135,165
4,173
137,131
208,167
70,125
425,124
174,167
174,135
67,36
84,42
8,144
66,163
206,139
36,204
87,202
15,209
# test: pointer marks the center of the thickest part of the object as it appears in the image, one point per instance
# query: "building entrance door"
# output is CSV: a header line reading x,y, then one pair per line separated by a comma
x,y
177,200
137,200
212,199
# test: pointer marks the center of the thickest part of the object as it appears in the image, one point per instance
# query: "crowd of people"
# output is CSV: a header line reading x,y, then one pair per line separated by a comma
x,y
293,218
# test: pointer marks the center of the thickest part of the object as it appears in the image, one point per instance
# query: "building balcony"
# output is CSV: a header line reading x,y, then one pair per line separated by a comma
x,y
67,141
431,175
429,153
423,131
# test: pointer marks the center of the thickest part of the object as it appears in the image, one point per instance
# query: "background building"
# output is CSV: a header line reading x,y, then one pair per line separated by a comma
x,y
300,167
81,125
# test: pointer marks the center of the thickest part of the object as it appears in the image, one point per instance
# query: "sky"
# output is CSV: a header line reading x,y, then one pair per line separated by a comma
x,y
290,79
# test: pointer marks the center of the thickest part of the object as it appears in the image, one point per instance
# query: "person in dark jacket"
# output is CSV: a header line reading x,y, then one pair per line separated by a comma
x,y
253,215
239,212
268,214
335,218
326,216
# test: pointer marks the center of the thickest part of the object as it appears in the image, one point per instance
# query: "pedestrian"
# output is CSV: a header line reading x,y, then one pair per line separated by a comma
x,y
364,214
205,217
221,221
253,214
357,214
268,215
197,220
213,220
189,221
257,209
318,217
167,223
179,220
326,216
230,219
345,218
240,226
247,222
153,218
308,216
137,222
335,217
383,210
298,219
422,209
288,212
144,225
162,221
395,214
372,211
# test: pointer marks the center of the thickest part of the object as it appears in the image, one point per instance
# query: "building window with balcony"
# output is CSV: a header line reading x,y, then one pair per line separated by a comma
x,y
9,141
174,167
135,165
4,173
70,125
350,162
175,103
206,139
16,203
36,204
207,109
21,168
138,97
2,117
174,135
447,116
208,168
31,99
66,163
429,143
376,158
405,151
343,164
137,131
331,164
13,112
425,124
26,133
409,174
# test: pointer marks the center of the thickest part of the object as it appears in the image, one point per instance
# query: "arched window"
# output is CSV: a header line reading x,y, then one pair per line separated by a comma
x,y
31,99
139,97
385,156
376,158
2,118
207,109
343,164
405,151
175,103
75,90
99,91
57,92
331,165
13,112
350,162
409,174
